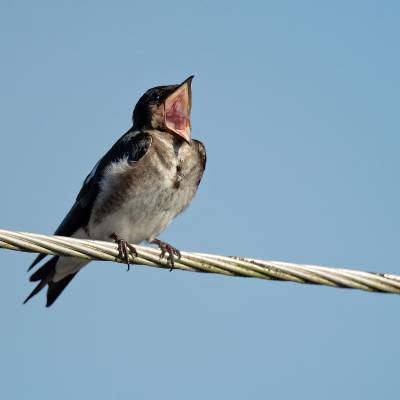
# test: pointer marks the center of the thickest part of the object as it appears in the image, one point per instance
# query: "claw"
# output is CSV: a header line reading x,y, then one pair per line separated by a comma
x,y
124,249
167,248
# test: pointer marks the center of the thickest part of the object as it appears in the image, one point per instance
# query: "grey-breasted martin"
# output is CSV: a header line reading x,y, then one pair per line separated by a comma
x,y
146,179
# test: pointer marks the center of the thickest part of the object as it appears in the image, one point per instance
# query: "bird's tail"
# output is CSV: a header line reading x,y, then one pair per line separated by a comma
x,y
45,276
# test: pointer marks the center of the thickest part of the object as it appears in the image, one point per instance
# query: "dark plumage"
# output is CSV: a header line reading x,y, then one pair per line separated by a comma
x,y
148,177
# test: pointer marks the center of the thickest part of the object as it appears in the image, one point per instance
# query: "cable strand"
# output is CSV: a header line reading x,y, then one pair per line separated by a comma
x,y
200,262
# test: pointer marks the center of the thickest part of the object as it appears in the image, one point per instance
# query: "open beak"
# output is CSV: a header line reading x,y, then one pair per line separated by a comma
x,y
177,110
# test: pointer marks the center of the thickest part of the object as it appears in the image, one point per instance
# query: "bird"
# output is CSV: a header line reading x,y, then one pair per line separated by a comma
x,y
148,177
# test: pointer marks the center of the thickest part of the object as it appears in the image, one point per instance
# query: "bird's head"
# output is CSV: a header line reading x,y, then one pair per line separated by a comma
x,y
166,108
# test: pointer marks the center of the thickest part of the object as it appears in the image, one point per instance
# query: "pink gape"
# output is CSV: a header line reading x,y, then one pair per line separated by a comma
x,y
176,114
177,111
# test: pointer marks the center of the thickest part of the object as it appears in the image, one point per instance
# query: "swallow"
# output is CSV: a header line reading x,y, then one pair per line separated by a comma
x,y
148,177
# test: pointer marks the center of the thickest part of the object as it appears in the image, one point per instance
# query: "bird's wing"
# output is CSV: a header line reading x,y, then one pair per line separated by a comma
x,y
133,146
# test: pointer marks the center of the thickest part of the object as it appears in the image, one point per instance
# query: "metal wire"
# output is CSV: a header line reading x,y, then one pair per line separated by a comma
x,y
198,262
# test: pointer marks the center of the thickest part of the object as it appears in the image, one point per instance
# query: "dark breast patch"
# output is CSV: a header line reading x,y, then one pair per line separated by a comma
x,y
179,175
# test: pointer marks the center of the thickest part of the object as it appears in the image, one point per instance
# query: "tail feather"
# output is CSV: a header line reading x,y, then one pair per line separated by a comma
x,y
37,289
56,288
37,261
46,271
45,275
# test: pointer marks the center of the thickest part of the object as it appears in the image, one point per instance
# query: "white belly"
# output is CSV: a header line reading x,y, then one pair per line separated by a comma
x,y
138,219
144,214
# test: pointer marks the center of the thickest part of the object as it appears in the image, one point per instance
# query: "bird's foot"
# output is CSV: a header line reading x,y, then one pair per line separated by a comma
x,y
124,249
167,248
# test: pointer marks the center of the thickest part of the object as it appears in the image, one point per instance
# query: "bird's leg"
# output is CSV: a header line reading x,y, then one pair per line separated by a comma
x,y
124,249
167,248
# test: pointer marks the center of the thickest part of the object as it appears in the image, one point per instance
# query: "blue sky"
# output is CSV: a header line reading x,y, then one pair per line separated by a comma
x,y
297,104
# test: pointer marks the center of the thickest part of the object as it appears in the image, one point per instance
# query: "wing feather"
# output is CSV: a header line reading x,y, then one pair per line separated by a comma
x,y
133,145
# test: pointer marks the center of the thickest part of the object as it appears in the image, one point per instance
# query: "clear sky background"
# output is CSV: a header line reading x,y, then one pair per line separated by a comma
x,y
298,106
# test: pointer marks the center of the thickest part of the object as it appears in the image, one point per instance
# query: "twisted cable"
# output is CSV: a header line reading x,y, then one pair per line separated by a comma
x,y
199,262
